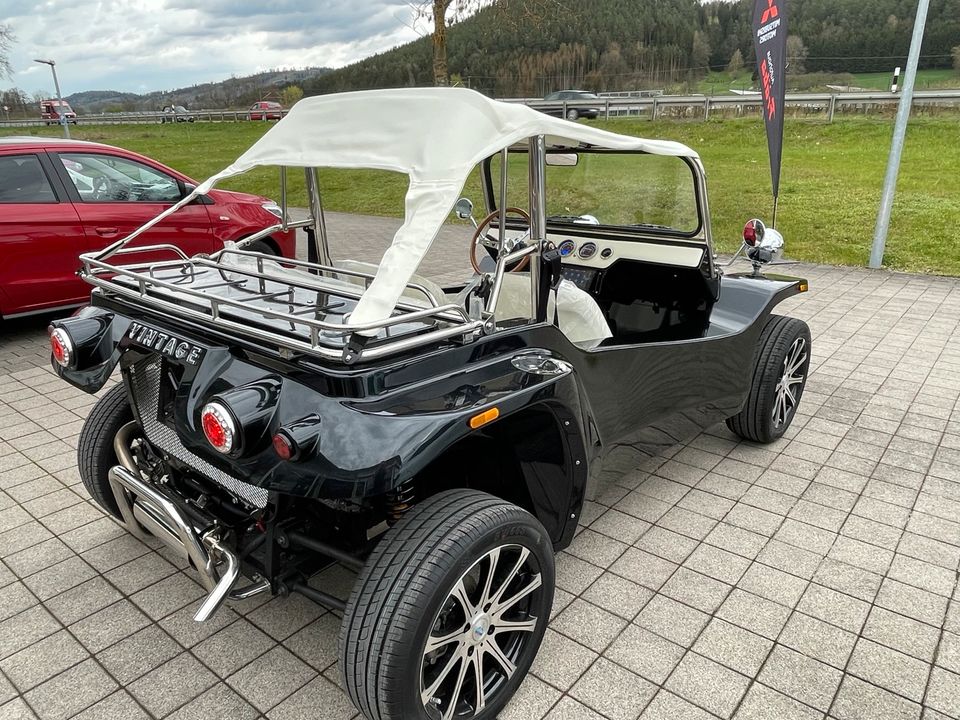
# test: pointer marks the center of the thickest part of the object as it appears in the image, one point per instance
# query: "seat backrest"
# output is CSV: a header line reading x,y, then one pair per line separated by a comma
x,y
579,315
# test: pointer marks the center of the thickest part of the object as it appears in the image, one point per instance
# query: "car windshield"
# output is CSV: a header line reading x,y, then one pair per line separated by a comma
x,y
656,193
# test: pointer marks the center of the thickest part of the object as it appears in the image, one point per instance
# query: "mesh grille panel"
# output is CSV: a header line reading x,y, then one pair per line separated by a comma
x,y
145,379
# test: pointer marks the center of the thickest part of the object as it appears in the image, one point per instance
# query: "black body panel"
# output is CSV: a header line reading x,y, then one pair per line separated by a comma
x,y
383,424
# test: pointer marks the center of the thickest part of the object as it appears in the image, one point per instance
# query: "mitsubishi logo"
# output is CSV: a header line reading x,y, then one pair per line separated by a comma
x,y
770,13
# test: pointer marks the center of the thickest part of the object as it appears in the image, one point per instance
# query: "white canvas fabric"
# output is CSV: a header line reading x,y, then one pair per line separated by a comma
x,y
436,136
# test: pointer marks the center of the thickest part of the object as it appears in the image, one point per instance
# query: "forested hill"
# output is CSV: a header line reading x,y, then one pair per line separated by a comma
x,y
631,44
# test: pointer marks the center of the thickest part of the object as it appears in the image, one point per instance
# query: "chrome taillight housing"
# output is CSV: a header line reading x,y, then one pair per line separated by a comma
x,y
61,345
220,428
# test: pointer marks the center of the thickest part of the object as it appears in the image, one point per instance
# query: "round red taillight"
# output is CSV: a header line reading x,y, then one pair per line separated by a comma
x,y
284,446
219,427
61,346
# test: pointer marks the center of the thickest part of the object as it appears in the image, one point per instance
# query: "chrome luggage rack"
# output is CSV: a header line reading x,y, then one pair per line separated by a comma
x,y
282,307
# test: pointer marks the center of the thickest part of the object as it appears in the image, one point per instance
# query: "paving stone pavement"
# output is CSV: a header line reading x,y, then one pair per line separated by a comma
x,y
815,577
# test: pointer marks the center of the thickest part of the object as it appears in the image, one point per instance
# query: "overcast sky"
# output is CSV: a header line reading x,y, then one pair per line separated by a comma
x,y
145,45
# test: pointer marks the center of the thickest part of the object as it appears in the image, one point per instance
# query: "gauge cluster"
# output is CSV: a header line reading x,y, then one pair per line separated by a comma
x,y
584,251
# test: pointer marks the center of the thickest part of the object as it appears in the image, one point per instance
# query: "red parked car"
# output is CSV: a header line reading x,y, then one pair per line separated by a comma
x,y
61,198
265,110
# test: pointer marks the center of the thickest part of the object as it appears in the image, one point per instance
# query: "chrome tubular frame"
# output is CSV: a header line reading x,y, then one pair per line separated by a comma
x,y
450,321
538,215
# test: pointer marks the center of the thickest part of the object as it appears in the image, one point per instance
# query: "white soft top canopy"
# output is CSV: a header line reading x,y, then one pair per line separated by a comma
x,y
436,136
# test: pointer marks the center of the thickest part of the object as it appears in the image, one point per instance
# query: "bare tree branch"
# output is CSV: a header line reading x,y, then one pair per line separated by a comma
x,y
6,43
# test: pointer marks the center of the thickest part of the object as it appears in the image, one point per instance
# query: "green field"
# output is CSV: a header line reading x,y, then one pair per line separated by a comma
x,y
926,79
721,83
830,192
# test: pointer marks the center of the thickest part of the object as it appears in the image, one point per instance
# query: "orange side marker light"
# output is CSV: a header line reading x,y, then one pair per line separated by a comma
x,y
485,417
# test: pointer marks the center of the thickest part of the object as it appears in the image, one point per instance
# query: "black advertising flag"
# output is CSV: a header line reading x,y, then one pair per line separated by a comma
x,y
770,41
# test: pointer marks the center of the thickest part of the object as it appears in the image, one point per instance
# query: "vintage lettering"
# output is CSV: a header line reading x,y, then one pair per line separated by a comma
x,y
164,343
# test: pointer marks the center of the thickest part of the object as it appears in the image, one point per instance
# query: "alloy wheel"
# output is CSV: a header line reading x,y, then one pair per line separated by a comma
x,y
480,632
791,383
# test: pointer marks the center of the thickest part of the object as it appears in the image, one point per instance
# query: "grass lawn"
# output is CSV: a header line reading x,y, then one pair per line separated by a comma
x,y
830,192
926,79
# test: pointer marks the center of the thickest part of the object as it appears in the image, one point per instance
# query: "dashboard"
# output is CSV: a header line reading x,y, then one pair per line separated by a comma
x,y
584,258
602,253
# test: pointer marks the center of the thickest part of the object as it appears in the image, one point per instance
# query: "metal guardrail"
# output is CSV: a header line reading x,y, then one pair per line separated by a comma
x,y
654,106
607,107
151,118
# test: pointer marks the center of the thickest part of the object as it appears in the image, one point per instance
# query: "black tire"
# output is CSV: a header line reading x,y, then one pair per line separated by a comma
x,y
409,579
573,114
260,246
762,419
95,455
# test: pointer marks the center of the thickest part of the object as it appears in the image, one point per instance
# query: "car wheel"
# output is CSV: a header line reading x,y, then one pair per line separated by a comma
x,y
95,454
573,114
779,377
449,611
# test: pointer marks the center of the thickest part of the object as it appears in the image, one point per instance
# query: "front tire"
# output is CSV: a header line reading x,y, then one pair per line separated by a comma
x,y
95,454
779,377
455,597
573,114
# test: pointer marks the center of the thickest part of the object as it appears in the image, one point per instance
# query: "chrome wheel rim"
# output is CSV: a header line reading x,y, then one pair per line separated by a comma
x,y
480,632
790,385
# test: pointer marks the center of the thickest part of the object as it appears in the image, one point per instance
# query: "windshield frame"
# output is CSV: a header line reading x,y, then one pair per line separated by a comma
x,y
699,234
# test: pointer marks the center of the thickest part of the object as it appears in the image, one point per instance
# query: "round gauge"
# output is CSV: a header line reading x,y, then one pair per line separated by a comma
x,y
606,253
567,248
588,250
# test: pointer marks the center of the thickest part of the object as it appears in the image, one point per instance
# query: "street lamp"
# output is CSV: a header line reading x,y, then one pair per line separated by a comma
x,y
56,84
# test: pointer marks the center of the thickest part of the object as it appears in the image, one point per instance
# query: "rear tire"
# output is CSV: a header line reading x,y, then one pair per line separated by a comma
x,y
573,114
782,360
95,455
407,594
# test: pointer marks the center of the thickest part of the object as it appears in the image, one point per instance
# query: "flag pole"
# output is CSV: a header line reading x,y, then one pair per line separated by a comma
x,y
899,137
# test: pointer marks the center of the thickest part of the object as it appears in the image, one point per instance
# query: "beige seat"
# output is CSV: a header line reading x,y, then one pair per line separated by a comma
x,y
579,316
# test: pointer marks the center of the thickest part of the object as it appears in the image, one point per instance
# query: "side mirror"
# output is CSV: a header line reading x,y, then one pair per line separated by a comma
x,y
463,208
563,159
763,244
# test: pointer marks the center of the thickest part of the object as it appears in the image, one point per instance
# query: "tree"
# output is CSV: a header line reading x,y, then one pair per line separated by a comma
x,y
700,54
290,95
6,41
797,54
443,13
736,63
956,58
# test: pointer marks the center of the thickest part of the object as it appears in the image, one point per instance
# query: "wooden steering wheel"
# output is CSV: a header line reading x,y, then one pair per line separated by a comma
x,y
480,237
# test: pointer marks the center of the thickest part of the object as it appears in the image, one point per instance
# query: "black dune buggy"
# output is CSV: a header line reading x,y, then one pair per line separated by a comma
x,y
443,452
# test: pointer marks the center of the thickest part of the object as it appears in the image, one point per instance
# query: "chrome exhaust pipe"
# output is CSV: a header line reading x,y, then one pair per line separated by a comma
x,y
147,512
